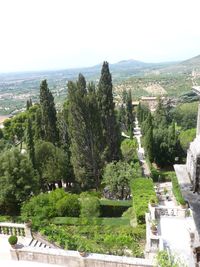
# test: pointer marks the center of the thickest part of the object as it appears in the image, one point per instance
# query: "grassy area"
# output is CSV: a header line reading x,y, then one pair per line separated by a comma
x,y
91,221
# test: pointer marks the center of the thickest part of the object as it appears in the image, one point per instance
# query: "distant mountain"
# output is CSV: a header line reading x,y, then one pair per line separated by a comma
x,y
186,66
192,61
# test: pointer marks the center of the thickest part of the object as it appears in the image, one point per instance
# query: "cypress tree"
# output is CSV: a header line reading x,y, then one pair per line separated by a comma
x,y
85,134
149,138
111,132
48,110
129,114
30,143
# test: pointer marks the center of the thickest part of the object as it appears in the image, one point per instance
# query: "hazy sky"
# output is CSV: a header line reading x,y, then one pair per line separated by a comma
x,y
54,34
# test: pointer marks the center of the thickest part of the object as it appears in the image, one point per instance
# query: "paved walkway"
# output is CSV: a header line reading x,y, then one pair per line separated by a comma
x,y
186,188
141,157
5,257
174,231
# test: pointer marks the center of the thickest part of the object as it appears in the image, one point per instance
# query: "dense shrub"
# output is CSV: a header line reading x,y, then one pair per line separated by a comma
x,y
143,192
12,240
69,205
45,206
129,150
89,205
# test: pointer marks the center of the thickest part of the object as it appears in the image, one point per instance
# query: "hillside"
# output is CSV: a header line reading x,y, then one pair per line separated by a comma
x,y
186,66
169,78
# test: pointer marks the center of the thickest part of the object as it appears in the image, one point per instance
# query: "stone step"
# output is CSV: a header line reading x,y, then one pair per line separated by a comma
x,y
37,244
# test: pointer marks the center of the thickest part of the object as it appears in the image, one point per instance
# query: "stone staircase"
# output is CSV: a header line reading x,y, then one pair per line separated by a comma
x,y
38,244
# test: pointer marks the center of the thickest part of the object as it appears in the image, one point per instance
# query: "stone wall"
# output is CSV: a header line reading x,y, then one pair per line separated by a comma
x,y
73,259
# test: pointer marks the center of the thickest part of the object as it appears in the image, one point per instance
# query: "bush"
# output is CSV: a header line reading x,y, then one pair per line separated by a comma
x,y
129,150
12,240
90,205
69,206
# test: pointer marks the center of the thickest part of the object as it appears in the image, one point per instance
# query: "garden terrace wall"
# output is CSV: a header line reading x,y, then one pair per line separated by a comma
x,y
73,259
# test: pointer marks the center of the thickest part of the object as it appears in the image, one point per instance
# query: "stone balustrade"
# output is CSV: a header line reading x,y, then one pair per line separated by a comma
x,y
18,229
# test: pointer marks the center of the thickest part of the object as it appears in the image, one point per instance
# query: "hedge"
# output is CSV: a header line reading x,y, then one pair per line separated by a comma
x,y
176,190
142,192
114,208
91,221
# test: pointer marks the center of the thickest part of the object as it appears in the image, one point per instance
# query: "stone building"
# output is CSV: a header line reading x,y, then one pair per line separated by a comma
x,y
193,158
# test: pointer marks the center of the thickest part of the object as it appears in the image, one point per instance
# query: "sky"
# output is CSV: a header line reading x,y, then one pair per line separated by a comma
x,y
59,34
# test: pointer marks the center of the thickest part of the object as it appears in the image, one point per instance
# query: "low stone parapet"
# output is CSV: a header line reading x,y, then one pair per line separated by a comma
x,y
73,259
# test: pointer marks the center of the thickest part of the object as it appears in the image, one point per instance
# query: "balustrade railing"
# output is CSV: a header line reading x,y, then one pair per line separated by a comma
x,y
12,229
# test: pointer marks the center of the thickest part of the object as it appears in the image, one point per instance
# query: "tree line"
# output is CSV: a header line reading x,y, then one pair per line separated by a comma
x,y
43,149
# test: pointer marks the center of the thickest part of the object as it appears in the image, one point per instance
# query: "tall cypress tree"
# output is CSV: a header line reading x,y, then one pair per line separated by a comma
x,y
30,143
129,114
49,118
149,138
111,133
85,134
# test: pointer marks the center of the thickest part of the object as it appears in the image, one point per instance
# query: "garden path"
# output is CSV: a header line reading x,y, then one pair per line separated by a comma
x,y
140,151
175,230
5,257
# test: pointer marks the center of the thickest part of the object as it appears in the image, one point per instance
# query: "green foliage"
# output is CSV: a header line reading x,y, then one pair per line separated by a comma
x,y
68,206
186,137
85,132
30,143
110,127
142,113
129,213
148,139
14,128
42,207
91,221
89,205
116,203
117,177
114,208
51,163
186,115
129,150
163,260
143,192
12,240
48,113
115,240
17,180
176,190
